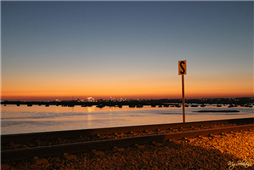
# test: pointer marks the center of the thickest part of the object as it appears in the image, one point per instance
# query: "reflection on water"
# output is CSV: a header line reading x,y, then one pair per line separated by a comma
x,y
25,119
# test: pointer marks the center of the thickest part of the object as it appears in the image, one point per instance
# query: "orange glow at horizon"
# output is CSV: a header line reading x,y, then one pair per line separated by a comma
x,y
117,93
143,88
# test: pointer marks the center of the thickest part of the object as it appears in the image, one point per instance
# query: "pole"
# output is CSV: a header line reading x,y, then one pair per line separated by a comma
x,y
183,98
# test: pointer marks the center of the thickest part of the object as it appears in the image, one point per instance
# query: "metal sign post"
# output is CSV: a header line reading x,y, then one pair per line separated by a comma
x,y
182,71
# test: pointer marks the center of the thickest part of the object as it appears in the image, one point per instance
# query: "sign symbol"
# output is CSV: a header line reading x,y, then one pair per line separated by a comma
x,y
182,67
182,72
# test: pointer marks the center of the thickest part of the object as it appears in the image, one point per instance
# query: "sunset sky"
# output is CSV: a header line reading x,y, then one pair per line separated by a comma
x,y
60,50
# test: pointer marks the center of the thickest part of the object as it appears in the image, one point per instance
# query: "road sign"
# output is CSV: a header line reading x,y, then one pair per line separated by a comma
x,y
182,67
182,71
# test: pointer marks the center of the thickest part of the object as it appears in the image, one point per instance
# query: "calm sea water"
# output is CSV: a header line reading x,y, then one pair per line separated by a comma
x,y
23,119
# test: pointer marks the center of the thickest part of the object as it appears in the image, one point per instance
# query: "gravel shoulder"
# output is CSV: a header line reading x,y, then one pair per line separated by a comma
x,y
57,141
215,152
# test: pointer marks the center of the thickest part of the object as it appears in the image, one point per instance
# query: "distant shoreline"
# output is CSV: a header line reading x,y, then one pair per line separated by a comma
x,y
246,102
217,111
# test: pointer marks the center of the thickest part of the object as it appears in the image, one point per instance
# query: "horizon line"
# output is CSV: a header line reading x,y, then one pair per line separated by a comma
x,y
114,98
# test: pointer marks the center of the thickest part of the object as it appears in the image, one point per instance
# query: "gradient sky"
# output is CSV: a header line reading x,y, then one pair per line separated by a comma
x,y
126,49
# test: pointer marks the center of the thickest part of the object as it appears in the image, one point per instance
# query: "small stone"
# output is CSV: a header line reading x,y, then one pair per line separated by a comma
x,y
57,159
191,140
15,145
141,146
98,153
205,138
237,133
41,161
211,135
25,146
70,157
57,165
158,144
120,149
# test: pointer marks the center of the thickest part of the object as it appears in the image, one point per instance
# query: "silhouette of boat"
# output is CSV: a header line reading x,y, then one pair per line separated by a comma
x,y
100,105
247,105
217,111
177,105
139,106
110,105
132,105
89,105
231,105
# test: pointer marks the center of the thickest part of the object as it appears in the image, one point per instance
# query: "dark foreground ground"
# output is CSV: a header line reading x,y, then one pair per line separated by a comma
x,y
230,151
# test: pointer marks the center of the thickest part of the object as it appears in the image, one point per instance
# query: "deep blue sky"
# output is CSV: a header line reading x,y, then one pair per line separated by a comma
x,y
126,48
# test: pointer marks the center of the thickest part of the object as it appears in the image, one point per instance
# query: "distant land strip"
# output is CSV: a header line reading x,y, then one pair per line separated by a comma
x,y
231,102
217,111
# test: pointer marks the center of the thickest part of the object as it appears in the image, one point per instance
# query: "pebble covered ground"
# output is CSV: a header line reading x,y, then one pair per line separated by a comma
x,y
57,141
225,151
